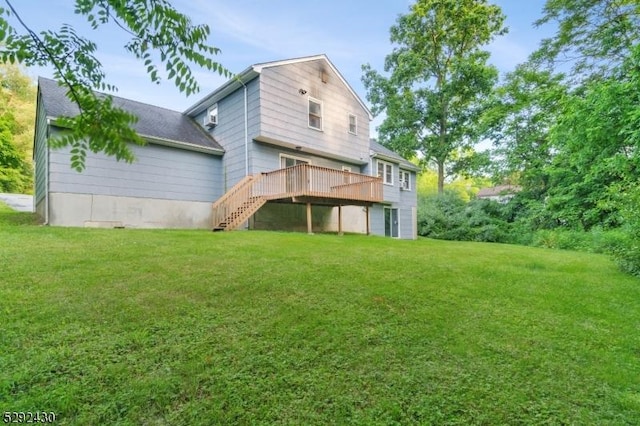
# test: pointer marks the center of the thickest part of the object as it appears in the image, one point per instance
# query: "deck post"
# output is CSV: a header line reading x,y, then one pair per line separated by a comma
x,y
309,222
340,220
368,224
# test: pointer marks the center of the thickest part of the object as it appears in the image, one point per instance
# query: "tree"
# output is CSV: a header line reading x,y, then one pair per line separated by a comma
x,y
519,116
17,112
597,138
594,36
161,37
437,75
15,173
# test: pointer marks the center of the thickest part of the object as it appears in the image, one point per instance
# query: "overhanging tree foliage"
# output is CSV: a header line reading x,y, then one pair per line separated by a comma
x,y
594,36
160,37
437,75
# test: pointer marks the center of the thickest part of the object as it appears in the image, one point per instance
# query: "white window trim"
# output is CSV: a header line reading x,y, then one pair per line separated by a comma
x,y
407,180
355,120
319,102
293,157
384,174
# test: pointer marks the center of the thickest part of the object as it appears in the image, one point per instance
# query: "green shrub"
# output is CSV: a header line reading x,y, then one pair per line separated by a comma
x,y
448,217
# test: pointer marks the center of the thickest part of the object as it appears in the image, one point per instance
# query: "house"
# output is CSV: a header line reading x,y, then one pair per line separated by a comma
x,y
285,145
500,193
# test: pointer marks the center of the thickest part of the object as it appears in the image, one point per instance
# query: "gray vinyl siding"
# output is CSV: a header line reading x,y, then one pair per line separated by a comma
x,y
285,116
40,154
406,227
376,219
404,201
230,129
159,172
266,158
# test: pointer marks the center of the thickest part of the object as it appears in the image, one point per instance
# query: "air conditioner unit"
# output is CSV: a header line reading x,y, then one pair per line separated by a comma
x,y
210,120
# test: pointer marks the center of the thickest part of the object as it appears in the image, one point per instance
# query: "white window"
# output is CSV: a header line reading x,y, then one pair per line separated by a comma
x,y
405,182
385,171
290,161
353,124
315,114
211,118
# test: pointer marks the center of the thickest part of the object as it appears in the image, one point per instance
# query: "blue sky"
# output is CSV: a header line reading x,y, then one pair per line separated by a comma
x,y
350,32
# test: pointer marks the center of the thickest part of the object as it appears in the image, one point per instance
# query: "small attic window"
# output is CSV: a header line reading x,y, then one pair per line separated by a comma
x,y
315,114
353,124
211,118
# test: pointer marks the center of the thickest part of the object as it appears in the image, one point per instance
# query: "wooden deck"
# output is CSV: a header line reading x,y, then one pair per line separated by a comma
x,y
303,183
330,185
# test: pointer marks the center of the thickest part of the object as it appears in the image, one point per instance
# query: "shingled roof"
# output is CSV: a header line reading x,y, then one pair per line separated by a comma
x,y
385,153
155,124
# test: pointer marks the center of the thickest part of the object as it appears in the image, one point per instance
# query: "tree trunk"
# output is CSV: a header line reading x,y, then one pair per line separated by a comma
x,y
440,176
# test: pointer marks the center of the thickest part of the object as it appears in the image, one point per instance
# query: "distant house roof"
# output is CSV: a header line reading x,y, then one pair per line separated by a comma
x,y
498,191
254,70
155,124
384,153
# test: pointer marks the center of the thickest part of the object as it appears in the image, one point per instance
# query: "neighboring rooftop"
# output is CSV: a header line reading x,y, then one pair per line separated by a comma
x,y
499,191
153,122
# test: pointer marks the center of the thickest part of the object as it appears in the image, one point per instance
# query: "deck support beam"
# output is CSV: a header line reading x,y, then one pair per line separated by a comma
x,y
340,220
309,220
368,224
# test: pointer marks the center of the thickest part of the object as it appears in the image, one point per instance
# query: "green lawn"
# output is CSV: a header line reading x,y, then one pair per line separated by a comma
x,y
193,327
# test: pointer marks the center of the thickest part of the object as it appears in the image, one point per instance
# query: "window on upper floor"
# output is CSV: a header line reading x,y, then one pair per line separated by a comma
x,y
315,114
385,171
353,124
405,180
211,117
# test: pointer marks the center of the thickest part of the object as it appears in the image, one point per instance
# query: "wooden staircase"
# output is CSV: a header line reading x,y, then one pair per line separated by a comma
x,y
237,205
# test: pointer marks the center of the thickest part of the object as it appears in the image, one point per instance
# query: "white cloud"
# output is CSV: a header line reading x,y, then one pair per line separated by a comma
x,y
281,31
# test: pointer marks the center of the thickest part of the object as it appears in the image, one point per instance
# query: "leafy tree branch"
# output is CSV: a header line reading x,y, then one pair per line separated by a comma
x,y
161,37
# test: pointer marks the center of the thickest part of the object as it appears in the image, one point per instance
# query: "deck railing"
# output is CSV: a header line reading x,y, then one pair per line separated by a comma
x,y
230,210
315,181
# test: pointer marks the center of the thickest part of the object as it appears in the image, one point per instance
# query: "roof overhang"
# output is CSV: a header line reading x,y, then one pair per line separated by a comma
x,y
310,151
53,121
404,164
226,89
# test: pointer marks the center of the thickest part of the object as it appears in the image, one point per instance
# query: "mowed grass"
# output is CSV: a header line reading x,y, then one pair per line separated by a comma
x,y
198,328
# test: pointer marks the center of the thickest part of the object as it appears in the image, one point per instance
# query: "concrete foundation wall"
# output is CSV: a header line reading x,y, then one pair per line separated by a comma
x,y
111,211
290,217
293,217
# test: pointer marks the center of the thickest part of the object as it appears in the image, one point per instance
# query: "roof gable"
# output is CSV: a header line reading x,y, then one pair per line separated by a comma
x,y
254,70
156,124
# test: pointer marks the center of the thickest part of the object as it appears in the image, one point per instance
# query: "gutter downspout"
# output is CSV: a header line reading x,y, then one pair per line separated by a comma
x,y
47,177
246,130
246,135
